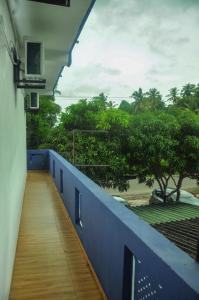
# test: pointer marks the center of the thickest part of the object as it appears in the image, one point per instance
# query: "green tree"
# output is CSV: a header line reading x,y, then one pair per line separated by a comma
x,y
149,101
152,140
82,115
187,148
162,145
188,99
96,138
154,94
79,116
40,124
173,95
116,124
138,95
196,91
142,138
125,106
187,90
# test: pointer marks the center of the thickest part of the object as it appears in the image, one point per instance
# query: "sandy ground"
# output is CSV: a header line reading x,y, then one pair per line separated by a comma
x,y
139,194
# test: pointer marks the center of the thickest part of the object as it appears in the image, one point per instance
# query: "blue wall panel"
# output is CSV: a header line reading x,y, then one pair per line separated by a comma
x,y
38,160
163,271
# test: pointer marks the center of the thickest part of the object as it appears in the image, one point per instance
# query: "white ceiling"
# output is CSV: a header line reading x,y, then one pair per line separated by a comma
x,y
57,26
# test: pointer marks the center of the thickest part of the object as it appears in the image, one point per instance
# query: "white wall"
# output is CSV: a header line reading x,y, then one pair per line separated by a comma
x,y
12,159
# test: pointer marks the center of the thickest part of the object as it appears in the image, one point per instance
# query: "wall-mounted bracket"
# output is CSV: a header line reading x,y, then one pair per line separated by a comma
x,y
27,83
31,84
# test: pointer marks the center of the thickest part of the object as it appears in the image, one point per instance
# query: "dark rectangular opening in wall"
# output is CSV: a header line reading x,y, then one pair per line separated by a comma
x,y
61,182
78,220
33,58
128,275
53,169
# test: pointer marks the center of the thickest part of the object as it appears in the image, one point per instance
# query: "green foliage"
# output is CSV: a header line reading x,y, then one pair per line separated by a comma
x,y
39,124
153,94
149,101
187,90
125,106
79,116
100,150
138,95
83,114
113,119
163,144
144,138
152,138
173,95
187,99
187,150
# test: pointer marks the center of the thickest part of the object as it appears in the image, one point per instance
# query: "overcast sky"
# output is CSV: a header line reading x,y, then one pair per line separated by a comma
x,y
127,44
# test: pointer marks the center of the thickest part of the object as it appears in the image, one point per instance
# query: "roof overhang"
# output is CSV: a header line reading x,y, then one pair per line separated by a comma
x,y
57,26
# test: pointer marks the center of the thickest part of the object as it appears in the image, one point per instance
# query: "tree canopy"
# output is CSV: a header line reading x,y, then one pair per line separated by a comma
x,y
143,138
40,123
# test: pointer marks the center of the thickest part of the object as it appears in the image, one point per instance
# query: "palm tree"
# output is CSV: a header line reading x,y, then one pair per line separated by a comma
x,y
138,95
187,90
153,94
196,91
173,95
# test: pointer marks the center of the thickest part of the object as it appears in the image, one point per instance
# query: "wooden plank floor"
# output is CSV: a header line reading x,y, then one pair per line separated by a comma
x,y
49,263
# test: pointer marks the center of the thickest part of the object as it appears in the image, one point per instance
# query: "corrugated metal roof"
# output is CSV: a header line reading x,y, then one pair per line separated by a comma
x,y
161,213
184,234
179,222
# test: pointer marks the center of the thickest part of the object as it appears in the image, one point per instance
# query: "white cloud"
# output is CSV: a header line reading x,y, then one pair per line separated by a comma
x,y
135,43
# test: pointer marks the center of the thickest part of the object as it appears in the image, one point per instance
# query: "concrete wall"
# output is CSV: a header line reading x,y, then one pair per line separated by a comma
x,y
12,158
109,231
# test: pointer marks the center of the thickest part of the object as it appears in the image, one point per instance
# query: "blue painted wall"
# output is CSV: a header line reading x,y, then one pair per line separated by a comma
x,y
163,271
38,160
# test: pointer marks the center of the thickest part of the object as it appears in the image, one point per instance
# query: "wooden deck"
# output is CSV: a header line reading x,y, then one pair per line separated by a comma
x,y
50,263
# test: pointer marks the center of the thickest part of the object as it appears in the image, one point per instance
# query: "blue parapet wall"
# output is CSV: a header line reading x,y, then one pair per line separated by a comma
x,y
109,231
38,160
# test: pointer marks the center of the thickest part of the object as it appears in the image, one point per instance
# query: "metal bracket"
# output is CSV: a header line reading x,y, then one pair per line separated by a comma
x,y
27,83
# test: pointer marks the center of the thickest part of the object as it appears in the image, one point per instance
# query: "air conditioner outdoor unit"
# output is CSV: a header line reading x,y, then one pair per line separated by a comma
x,y
34,101
34,59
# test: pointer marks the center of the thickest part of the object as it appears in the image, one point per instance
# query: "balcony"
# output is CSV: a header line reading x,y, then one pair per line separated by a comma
x,y
76,242
50,262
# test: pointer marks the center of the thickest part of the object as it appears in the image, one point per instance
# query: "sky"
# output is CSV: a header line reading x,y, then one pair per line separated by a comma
x,y
127,44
